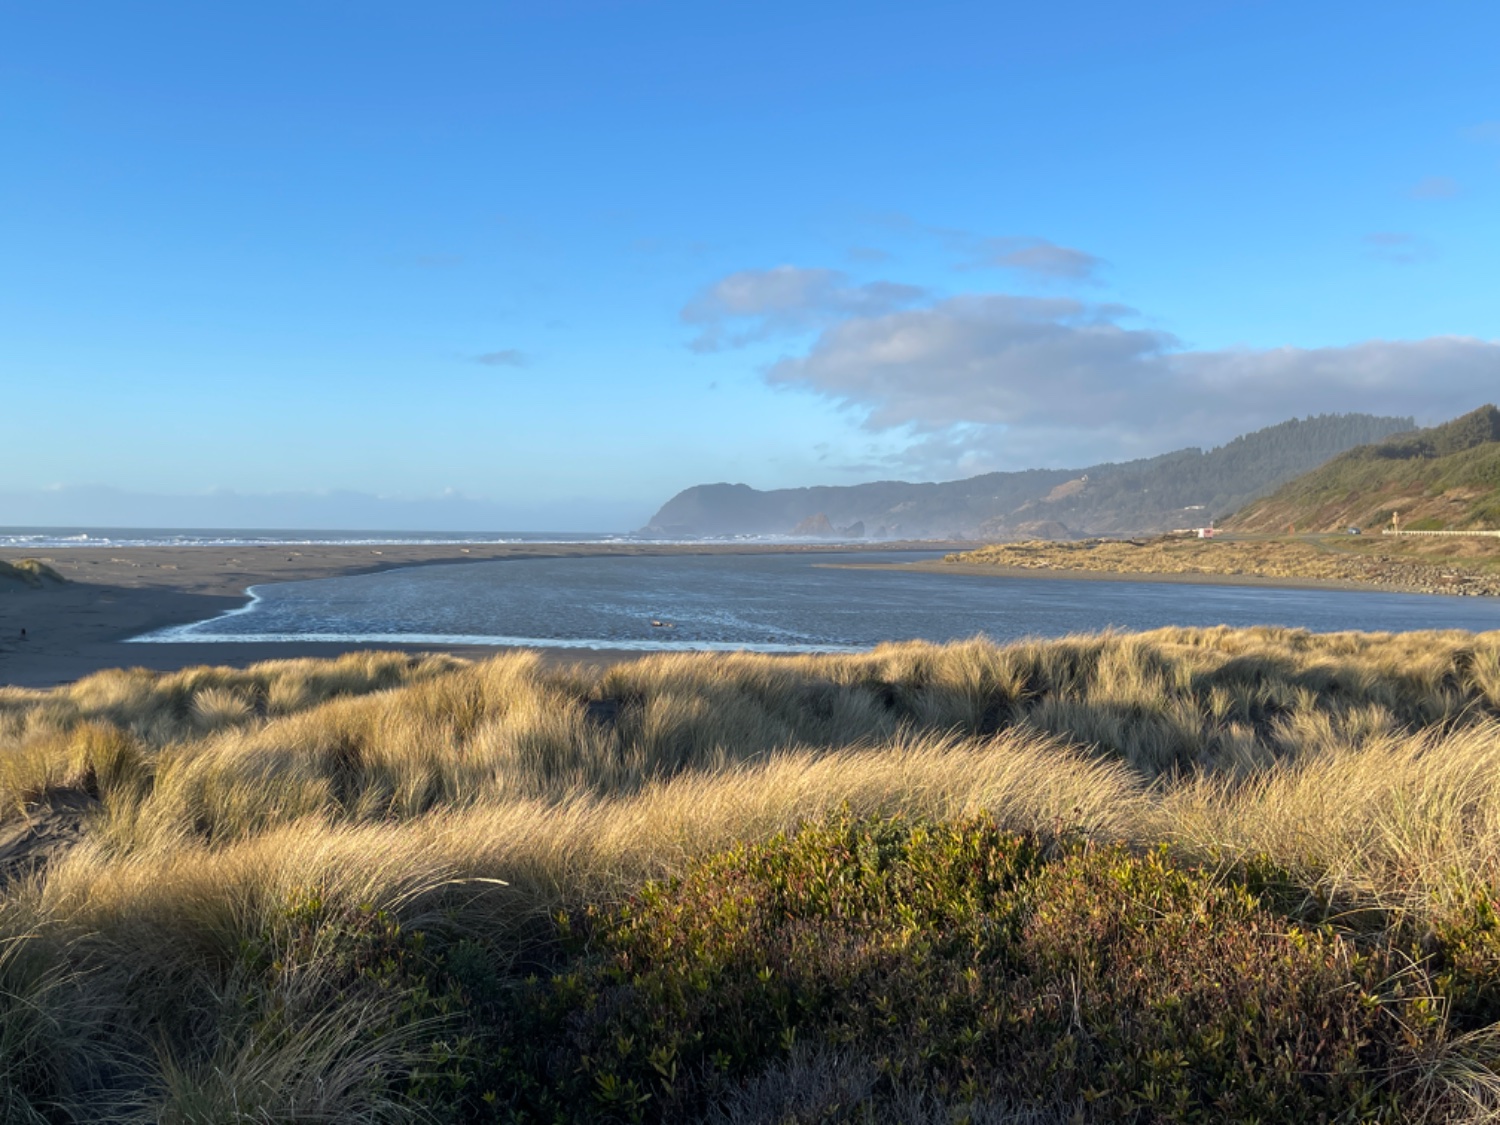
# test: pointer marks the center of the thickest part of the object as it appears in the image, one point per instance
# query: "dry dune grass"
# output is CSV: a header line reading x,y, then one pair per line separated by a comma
x,y
163,970
31,572
1461,566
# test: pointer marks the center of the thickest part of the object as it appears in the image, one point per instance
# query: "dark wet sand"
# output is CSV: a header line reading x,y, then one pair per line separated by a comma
x,y
115,593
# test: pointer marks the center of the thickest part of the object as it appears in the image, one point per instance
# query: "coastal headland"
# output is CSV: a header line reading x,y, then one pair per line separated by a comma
x,y
110,594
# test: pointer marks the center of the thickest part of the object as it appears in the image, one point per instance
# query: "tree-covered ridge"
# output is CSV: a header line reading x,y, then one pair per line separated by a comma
x,y
1182,488
1474,429
1446,477
1155,495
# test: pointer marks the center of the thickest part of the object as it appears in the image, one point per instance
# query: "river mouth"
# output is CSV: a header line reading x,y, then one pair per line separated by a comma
x,y
774,603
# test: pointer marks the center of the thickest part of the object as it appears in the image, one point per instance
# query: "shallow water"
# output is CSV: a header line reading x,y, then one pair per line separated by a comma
x,y
775,603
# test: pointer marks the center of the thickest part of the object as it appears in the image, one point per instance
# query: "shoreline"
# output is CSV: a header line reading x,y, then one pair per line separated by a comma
x,y
1322,562
114,593
1171,578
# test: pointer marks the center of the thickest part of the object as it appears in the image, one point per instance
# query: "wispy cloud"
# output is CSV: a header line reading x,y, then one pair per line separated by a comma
x,y
1434,187
650,246
505,357
1039,259
1036,257
1486,132
754,305
1399,248
425,261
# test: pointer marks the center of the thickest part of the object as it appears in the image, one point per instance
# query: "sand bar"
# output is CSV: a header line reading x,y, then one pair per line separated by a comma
x,y
1175,578
114,593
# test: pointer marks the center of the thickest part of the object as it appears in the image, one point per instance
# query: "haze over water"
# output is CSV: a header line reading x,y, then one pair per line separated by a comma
x,y
61,538
776,603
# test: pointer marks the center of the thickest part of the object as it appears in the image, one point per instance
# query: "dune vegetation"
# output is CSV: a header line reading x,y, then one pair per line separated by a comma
x,y
29,572
1189,875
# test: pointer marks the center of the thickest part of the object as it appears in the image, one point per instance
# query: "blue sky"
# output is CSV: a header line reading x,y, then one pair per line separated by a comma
x,y
563,260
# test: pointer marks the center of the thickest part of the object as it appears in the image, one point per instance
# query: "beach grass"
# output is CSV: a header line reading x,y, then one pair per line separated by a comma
x,y
1193,874
1456,565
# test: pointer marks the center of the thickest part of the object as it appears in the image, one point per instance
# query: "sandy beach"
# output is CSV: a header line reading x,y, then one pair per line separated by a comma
x,y
114,593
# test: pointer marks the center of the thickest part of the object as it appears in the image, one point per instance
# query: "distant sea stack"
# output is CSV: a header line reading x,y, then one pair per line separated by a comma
x,y
1186,488
817,526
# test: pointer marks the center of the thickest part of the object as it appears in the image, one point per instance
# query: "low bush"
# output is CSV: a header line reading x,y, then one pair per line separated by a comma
x,y
959,966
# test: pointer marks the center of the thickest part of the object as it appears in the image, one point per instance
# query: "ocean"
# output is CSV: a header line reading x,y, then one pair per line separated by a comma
x,y
58,538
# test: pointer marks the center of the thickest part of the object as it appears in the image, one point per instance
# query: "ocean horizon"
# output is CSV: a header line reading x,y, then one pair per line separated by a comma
x,y
61,538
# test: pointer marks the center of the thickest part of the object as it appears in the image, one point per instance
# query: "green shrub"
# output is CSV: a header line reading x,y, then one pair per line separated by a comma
x,y
1467,959
857,969
959,962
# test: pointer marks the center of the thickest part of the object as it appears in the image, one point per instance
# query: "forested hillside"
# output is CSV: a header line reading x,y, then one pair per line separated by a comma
x,y
1182,488
1443,478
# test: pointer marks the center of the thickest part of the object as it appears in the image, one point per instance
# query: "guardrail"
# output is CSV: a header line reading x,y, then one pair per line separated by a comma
x,y
1404,532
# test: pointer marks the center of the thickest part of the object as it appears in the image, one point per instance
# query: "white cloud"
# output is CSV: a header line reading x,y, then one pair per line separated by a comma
x,y
1434,379
976,359
990,381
